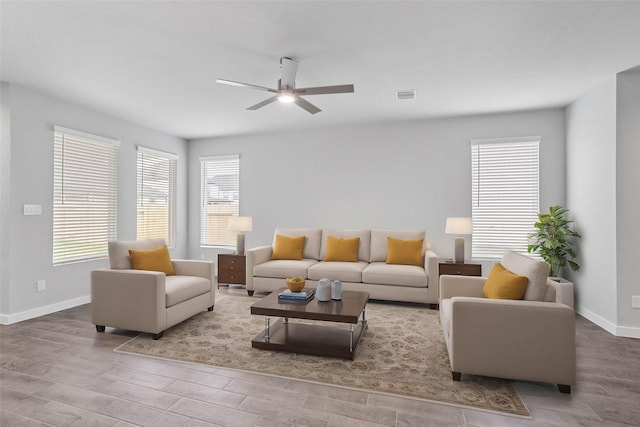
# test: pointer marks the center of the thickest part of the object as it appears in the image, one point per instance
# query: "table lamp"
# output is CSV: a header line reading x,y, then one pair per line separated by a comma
x,y
240,224
459,226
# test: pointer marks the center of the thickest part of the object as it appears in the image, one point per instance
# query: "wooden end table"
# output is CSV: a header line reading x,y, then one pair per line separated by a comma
x,y
318,340
231,269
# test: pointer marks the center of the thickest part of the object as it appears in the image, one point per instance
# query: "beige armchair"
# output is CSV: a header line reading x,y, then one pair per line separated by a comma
x,y
148,301
531,339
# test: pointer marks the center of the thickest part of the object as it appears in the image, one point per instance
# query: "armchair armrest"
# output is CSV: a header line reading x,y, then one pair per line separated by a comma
x,y
431,268
461,286
254,257
129,299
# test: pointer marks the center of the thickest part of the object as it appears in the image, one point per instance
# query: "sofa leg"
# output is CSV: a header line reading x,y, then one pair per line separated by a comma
x,y
457,376
100,328
157,336
250,293
210,308
563,388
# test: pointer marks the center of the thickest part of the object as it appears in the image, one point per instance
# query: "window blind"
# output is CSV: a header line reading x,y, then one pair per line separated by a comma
x,y
220,199
505,194
84,195
156,188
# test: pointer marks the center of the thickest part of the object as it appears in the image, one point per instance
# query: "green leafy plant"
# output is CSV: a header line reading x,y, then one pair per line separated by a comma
x,y
553,240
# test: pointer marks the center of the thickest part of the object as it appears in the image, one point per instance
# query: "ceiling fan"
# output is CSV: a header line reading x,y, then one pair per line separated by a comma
x,y
287,91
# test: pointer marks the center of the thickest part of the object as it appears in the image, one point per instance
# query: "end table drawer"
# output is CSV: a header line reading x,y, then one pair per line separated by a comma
x,y
231,269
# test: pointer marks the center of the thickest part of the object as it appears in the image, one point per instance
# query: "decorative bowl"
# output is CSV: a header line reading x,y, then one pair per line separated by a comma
x,y
295,284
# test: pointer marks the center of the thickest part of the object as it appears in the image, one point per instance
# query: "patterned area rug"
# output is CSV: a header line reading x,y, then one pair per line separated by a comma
x,y
402,353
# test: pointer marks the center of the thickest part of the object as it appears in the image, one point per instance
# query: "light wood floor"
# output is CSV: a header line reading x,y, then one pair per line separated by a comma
x,y
56,370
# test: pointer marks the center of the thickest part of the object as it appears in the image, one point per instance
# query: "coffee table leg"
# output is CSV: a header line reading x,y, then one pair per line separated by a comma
x,y
351,337
266,329
364,319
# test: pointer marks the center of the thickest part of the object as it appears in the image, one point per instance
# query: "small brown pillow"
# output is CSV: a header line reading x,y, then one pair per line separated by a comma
x,y
408,252
157,259
503,284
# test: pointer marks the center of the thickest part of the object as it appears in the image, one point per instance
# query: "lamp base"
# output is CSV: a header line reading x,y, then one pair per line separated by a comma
x,y
459,249
240,244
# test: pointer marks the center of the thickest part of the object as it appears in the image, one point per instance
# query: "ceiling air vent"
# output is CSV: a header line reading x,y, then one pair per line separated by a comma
x,y
405,94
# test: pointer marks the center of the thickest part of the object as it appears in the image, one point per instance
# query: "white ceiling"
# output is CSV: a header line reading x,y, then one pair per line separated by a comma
x,y
155,63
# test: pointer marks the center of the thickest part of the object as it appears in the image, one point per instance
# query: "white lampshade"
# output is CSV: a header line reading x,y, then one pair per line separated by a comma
x,y
459,225
240,223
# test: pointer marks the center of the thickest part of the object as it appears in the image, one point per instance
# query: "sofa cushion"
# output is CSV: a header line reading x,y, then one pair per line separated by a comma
x,y
408,252
503,284
281,269
182,288
363,249
312,242
119,251
379,242
157,259
343,271
343,250
536,271
286,247
381,273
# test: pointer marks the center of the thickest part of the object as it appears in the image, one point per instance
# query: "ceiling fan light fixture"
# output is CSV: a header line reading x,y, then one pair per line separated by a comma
x,y
286,97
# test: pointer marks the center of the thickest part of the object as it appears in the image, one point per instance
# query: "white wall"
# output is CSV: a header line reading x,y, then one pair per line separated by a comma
x,y
591,197
404,175
32,117
5,191
628,199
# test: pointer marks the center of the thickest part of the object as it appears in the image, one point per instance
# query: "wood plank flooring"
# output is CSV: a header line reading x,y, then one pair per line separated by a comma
x,y
57,371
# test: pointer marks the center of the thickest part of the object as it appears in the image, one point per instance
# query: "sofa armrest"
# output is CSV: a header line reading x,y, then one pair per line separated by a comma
x,y
564,291
431,268
461,286
256,256
199,268
531,340
129,299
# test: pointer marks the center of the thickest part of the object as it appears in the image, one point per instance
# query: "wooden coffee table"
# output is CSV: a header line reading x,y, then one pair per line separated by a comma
x,y
319,340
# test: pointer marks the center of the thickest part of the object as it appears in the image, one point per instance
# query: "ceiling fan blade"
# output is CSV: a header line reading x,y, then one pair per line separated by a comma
x,y
306,105
263,103
321,90
289,70
247,85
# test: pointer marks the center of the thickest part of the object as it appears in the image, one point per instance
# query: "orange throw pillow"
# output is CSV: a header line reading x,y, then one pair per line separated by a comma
x,y
157,259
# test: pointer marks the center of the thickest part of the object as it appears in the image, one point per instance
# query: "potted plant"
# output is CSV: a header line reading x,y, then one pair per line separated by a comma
x,y
553,240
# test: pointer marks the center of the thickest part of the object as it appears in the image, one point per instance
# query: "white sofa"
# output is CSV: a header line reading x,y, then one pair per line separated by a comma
x,y
149,301
370,273
532,339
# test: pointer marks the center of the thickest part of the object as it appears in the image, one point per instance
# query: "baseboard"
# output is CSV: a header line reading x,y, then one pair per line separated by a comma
x,y
7,319
612,328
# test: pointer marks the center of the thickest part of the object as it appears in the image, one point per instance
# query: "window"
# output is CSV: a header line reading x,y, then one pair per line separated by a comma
x,y
220,197
85,180
505,201
156,195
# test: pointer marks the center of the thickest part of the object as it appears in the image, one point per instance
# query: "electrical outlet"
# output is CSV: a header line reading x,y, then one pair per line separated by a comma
x,y
635,301
41,285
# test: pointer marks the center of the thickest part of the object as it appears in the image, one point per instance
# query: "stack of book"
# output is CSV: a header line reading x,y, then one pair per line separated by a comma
x,y
303,295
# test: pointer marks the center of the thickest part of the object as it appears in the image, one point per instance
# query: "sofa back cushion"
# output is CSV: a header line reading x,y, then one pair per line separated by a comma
x,y
536,271
363,249
311,243
119,251
379,242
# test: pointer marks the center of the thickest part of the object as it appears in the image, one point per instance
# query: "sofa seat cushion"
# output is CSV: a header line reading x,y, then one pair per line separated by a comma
x,y
343,271
182,288
283,268
381,273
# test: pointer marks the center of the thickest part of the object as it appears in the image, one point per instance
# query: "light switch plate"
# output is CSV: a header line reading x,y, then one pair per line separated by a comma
x,y
635,301
33,209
